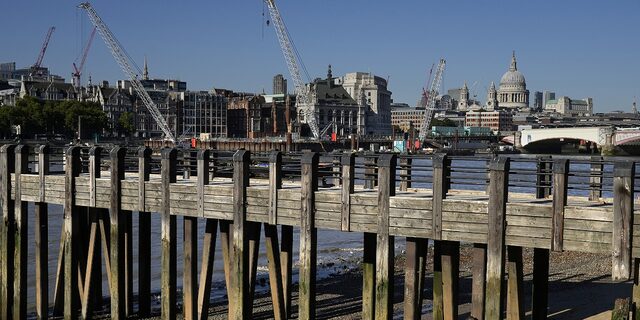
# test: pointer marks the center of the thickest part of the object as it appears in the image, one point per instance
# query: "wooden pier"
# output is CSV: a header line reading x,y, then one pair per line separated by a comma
x,y
533,202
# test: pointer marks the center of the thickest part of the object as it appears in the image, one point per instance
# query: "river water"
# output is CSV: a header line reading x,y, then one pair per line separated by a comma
x,y
337,251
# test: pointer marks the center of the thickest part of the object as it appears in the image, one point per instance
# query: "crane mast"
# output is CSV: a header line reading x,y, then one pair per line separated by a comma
x,y
45,44
431,100
121,58
77,70
303,98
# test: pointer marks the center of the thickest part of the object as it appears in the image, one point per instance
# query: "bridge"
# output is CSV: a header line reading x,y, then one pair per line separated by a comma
x,y
601,136
500,205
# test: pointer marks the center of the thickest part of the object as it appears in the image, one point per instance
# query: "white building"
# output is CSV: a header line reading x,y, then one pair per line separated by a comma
x,y
513,93
377,96
570,107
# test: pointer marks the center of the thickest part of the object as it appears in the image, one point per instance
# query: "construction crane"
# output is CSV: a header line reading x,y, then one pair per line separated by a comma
x,y
122,59
304,101
431,101
36,66
77,70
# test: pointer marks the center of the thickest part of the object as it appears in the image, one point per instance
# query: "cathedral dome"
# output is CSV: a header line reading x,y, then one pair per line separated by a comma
x,y
513,93
513,78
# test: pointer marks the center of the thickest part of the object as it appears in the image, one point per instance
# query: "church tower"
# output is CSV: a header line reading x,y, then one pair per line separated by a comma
x,y
492,99
463,103
145,75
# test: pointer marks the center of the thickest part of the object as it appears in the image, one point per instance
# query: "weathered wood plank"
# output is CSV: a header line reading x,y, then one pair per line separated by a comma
x,y
416,250
369,276
190,268
20,236
7,166
206,270
286,261
168,236
308,236
117,237
240,305
478,282
42,239
385,247
71,229
623,185
560,186
348,174
275,183
515,287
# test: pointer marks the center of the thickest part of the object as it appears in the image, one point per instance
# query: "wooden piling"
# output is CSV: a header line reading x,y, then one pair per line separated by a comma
x,y
71,257
369,276
560,187
240,305
168,236
450,279
42,238
498,191
348,175
416,253
209,241
190,268
308,237
515,287
275,184
286,261
441,171
405,173
117,230
144,234
275,272
595,180
20,236
540,282
385,242
478,285
7,166
623,185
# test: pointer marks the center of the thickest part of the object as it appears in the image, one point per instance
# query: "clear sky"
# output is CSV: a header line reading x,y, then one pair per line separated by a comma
x,y
577,48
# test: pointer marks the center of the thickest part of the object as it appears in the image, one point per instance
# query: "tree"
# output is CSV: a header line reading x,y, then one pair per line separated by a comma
x,y
126,123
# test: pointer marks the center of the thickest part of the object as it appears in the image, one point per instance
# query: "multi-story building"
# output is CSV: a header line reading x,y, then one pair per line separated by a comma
x,y
202,112
497,120
279,84
376,95
513,93
547,95
244,116
538,101
403,117
338,111
570,107
114,102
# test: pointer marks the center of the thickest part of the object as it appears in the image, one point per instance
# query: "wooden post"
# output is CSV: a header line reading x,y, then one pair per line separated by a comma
x,y
405,173
71,231
286,261
595,180
495,243
385,242
117,247
540,283
369,276
253,234
20,236
240,305
206,271
636,286
441,171
308,237
623,184
438,303
190,268
275,272
515,287
560,187
144,234
348,173
479,271
416,254
369,171
275,184
42,239
168,235
450,274
7,166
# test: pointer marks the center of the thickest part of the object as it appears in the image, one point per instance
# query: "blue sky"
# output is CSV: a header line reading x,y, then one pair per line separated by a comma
x,y
575,48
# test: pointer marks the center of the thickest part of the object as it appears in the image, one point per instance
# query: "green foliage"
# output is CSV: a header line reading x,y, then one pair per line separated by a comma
x,y
53,117
443,123
126,123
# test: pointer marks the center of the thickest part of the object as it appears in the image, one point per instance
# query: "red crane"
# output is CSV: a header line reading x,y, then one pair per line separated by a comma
x,y
77,70
36,66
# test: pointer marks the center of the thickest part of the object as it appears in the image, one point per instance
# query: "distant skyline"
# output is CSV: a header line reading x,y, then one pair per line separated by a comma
x,y
576,48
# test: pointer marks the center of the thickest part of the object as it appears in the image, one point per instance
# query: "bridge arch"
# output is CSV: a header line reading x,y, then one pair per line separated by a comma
x,y
592,134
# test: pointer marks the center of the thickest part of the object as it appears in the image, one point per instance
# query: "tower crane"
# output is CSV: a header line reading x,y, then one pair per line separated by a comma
x,y
77,70
43,50
304,101
431,100
122,59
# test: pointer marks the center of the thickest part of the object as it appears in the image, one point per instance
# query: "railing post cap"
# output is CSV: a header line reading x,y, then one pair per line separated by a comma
x,y
309,157
624,168
387,160
348,159
95,150
203,154
73,151
169,153
118,151
22,148
144,152
275,156
560,165
438,160
241,155
7,148
43,148
499,164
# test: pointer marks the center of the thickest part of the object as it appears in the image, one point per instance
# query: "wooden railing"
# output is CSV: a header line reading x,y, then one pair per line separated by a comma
x,y
552,207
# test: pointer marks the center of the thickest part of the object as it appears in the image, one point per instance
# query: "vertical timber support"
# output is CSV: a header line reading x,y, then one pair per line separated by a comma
x,y
71,228
209,241
540,285
7,166
308,237
405,173
168,235
275,184
623,178
560,187
117,226
498,191
240,306
370,171
385,242
144,234
416,256
42,238
271,238
450,260
190,268
595,179
20,236
515,286
348,173
441,172
478,286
